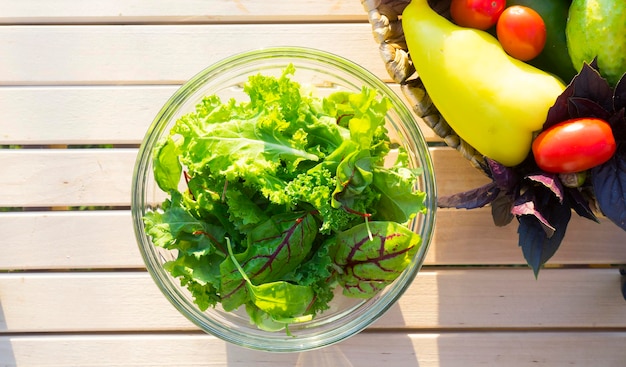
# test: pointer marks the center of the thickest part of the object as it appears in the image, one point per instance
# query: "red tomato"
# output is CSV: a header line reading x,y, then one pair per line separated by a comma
x,y
574,145
521,32
479,14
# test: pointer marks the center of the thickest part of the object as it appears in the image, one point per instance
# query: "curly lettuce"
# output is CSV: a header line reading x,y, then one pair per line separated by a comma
x,y
284,196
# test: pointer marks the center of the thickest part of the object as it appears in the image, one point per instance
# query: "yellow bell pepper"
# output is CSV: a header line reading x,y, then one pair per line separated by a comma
x,y
491,100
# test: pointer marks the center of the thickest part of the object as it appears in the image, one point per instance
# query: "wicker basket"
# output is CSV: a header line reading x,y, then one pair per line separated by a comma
x,y
383,16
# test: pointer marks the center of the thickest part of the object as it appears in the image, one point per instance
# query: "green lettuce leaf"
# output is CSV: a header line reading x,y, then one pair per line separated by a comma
x,y
280,190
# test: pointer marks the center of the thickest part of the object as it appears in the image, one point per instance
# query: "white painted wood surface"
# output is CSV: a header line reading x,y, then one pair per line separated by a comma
x,y
96,114
160,54
73,289
407,349
438,299
183,11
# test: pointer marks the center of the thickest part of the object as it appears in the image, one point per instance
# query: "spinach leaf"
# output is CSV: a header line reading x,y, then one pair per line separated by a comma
x,y
167,167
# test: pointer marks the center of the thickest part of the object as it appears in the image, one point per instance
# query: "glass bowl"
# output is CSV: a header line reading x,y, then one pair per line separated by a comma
x,y
327,73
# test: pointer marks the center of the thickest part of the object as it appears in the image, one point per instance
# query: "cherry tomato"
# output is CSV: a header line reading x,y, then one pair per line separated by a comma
x,y
521,32
574,145
479,14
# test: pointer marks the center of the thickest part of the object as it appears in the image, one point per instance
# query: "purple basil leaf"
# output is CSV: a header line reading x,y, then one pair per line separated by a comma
x,y
550,181
505,177
609,185
501,210
523,208
536,245
275,247
585,107
586,84
619,94
476,198
368,264
560,110
591,84
580,204
618,124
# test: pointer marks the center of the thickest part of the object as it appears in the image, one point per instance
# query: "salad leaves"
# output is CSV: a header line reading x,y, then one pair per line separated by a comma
x,y
276,201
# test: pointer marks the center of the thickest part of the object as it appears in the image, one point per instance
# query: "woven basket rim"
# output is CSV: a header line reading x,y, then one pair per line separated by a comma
x,y
384,17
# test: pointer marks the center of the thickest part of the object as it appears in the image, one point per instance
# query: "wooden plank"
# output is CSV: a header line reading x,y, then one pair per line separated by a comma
x,y
79,114
511,298
453,173
463,299
105,239
102,239
72,177
165,54
470,237
183,11
66,177
551,349
90,114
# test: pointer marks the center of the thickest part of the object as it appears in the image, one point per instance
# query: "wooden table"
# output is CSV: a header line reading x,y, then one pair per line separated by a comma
x,y
80,82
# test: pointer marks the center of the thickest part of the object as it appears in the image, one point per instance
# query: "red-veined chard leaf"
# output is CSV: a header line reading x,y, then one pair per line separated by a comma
x,y
279,299
274,248
368,265
176,228
199,253
354,175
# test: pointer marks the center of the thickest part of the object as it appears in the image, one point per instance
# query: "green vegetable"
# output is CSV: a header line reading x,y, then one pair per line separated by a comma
x,y
596,29
279,300
554,57
369,265
491,100
283,192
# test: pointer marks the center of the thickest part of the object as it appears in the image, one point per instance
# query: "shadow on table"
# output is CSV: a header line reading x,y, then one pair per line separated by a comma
x,y
372,347
7,358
